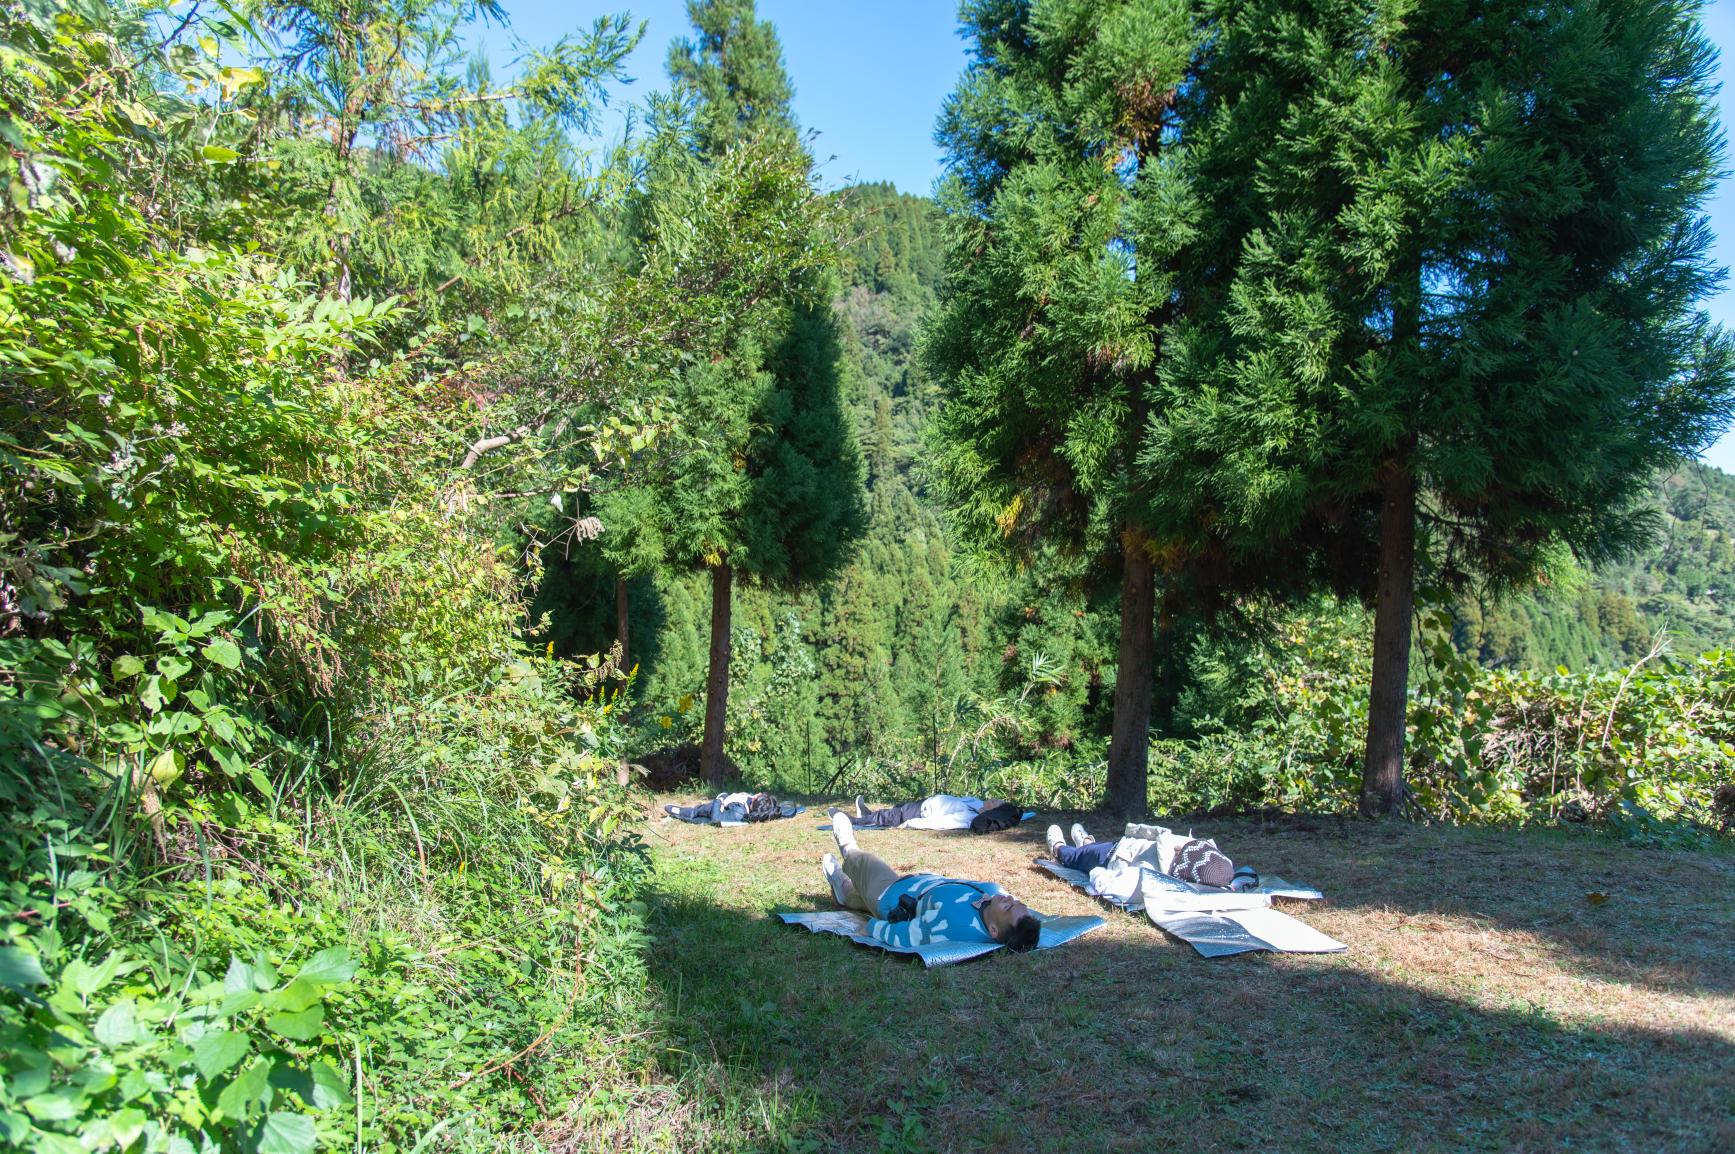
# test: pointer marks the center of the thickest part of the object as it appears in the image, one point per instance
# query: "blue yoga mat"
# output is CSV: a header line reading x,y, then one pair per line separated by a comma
x,y
1056,931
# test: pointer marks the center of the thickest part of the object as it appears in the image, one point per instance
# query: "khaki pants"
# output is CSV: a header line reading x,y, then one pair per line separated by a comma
x,y
869,877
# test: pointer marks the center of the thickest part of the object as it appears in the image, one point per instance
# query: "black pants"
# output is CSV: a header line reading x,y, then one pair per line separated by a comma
x,y
892,816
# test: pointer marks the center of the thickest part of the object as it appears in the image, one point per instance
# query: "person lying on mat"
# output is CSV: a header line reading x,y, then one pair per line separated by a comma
x,y
941,811
918,908
1189,858
730,807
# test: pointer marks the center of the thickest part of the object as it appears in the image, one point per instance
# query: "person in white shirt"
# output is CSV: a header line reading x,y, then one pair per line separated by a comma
x,y
1115,866
939,812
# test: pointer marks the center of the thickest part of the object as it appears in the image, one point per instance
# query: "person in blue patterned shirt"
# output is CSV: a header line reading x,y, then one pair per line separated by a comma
x,y
913,909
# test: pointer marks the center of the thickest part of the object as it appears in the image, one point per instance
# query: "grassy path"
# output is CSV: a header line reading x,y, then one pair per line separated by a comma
x,y
1485,1003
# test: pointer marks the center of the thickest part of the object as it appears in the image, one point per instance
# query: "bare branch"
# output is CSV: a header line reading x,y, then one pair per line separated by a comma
x,y
489,444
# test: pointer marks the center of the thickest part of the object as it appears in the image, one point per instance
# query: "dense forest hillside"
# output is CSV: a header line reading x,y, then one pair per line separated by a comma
x,y
1682,587
895,665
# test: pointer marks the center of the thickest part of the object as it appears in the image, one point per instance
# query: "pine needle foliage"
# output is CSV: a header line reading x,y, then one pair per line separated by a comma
x,y
1444,299
1064,216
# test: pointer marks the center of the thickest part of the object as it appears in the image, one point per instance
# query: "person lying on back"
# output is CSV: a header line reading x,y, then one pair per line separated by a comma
x,y
915,909
941,811
1188,858
729,807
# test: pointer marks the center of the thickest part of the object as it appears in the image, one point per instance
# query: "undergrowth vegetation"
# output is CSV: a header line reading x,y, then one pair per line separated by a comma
x,y
1647,749
302,846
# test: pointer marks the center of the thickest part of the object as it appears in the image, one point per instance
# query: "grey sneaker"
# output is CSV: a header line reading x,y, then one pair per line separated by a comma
x,y
835,878
1055,840
1080,835
861,809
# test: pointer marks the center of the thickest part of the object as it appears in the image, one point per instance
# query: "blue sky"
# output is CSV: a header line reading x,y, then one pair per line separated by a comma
x,y
869,75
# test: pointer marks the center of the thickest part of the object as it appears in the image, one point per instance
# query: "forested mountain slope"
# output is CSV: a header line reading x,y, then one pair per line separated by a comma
x,y
898,659
1683,585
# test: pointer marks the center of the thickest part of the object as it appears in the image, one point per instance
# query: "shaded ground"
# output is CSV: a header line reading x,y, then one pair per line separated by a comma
x,y
1485,1003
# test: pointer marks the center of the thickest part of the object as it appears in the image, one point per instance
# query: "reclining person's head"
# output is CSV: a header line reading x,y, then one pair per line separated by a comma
x,y
1010,922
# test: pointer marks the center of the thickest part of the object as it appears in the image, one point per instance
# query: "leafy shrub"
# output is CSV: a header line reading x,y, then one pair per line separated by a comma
x,y
125,1051
302,847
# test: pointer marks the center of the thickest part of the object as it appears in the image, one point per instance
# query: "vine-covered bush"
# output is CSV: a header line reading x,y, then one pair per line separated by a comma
x,y
1656,738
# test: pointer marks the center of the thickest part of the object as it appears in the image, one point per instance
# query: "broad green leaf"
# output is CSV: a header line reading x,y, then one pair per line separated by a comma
x,y
126,666
168,625
250,1088
329,1088
295,997
217,154
285,1133
20,970
302,1026
173,667
222,651
177,724
126,1126
218,1052
166,767
61,1104
214,619
328,966
238,977
233,1004
118,1025
85,979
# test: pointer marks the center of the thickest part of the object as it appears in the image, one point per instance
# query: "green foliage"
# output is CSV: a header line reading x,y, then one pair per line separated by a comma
x,y
733,71
1486,745
302,846
103,1055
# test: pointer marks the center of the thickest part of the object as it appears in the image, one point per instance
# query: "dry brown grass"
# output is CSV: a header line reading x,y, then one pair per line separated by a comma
x,y
1485,1002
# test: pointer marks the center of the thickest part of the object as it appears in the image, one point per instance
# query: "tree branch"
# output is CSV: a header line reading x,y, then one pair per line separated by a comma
x,y
489,444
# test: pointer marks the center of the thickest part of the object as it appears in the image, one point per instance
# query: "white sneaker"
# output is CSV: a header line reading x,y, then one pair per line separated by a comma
x,y
1055,841
860,805
835,878
843,831
1080,835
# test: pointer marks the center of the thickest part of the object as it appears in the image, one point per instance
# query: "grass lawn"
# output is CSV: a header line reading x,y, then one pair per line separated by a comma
x,y
1485,1003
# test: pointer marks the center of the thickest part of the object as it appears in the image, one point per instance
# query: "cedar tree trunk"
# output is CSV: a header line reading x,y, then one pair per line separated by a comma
x,y
1129,747
1382,783
711,762
620,619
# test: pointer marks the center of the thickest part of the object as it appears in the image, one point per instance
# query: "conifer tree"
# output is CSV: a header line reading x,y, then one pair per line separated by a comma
x,y
1063,220
1443,302
767,484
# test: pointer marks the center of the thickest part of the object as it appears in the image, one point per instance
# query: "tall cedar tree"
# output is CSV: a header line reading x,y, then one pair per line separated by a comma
x,y
1444,294
771,488
1064,218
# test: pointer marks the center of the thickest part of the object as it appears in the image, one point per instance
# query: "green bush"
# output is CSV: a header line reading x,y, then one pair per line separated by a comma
x,y
301,845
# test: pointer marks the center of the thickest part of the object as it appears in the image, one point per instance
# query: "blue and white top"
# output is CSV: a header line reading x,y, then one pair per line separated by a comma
x,y
945,911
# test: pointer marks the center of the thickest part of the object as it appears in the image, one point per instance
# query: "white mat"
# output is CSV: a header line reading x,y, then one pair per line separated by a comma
x,y
1216,922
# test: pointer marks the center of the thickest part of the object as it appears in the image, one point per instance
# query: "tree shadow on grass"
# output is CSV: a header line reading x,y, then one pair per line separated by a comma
x,y
1126,1040
1586,903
